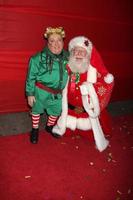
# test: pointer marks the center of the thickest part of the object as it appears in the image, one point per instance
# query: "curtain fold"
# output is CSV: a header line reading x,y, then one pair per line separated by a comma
x,y
22,24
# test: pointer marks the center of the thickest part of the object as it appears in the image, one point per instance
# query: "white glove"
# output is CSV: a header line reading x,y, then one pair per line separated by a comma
x,y
91,107
84,88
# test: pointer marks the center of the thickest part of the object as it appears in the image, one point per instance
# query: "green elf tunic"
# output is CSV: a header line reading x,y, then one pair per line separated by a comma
x,y
49,70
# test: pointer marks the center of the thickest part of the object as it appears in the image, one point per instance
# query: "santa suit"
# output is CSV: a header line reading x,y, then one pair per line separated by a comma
x,y
84,98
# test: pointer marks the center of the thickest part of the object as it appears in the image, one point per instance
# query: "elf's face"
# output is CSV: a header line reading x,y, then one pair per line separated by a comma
x,y
55,43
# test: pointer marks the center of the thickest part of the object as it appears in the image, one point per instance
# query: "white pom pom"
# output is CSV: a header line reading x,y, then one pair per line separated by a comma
x,y
109,78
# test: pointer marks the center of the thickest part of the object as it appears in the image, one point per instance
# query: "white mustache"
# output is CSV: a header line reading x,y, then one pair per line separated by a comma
x,y
80,65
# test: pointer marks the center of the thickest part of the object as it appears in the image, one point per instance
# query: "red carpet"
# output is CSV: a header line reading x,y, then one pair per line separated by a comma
x,y
69,168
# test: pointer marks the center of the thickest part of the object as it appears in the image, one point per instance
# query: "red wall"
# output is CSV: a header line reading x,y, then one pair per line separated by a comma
x,y
107,23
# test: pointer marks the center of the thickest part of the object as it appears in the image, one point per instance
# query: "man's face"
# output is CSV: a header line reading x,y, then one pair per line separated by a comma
x,y
79,53
79,60
55,43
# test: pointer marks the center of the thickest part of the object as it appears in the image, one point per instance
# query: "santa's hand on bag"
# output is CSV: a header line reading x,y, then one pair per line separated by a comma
x,y
84,88
91,106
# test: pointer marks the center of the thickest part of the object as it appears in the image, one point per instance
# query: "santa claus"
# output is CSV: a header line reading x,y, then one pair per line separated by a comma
x,y
87,92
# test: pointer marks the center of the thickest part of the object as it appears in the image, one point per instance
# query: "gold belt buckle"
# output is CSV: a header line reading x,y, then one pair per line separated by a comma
x,y
78,109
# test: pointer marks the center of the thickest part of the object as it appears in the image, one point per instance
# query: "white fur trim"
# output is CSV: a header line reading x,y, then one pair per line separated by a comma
x,y
109,78
83,124
91,74
71,122
78,123
56,129
60,128
100,140
81,42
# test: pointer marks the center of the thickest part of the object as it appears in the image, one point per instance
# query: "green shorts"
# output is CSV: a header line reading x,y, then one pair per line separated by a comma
x,y
48,102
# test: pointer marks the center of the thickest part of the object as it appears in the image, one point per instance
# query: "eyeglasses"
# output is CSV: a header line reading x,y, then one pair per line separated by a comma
x,y
81,52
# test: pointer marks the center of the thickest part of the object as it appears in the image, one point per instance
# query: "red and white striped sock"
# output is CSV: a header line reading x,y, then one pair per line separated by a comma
x,y
51,120
35,120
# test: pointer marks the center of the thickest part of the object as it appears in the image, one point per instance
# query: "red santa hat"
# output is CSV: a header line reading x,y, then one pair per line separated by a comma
x,y
80,41
95,58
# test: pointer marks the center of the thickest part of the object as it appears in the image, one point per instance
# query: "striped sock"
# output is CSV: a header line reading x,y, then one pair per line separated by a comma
x,y
35,120
51,120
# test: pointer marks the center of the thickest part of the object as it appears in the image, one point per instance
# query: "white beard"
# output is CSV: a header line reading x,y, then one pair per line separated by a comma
x,y
80,66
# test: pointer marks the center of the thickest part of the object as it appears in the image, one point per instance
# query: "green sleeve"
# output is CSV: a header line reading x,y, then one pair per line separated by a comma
x,y
32,75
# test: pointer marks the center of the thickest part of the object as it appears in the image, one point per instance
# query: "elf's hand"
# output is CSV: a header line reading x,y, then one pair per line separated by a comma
x,y
31,100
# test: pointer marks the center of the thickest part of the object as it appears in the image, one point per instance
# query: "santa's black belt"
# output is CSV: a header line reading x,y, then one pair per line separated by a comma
x,y
77,109
46,88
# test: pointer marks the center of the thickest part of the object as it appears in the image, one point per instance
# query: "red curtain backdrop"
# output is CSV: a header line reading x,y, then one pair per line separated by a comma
x,y
22,23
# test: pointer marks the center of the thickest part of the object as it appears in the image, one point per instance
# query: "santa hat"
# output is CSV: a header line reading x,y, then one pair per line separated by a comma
x,y
80,41
95,58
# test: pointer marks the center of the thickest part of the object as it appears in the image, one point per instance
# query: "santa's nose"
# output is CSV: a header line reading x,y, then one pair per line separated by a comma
x,y
79,53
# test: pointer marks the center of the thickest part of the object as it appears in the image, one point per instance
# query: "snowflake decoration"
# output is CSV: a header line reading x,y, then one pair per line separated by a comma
x,y
101,90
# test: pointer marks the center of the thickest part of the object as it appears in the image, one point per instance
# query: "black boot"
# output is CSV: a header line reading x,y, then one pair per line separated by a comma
x,y
56,135
49,130
34,135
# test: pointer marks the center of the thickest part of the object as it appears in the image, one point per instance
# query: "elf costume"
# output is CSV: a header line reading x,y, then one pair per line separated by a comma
x,y
47,77
50,73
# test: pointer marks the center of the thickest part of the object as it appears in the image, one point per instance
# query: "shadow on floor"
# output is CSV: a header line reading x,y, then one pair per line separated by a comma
x,y
15,123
